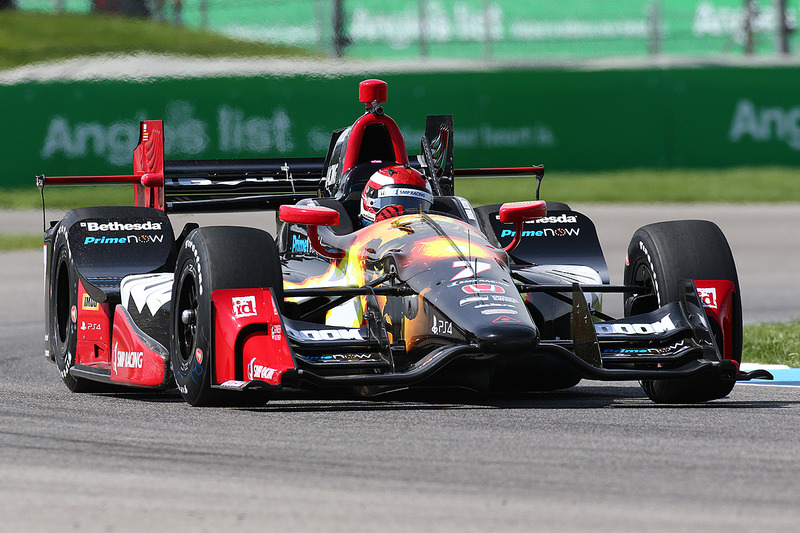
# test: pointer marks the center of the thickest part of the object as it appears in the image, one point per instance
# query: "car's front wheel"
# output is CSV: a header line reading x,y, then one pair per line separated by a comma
x,y
214,258
661,255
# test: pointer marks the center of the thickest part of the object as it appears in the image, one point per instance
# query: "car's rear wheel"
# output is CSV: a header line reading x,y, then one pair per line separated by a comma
x,y
63,333
659,256
215,258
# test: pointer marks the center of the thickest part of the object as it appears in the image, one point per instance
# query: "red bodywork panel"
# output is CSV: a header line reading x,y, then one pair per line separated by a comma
x,y
249,336
148,165
357,134
93,323
132,361
717,298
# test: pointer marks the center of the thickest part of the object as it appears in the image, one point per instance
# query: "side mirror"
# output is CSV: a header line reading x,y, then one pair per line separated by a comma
x,y
312,216
519,213
308,215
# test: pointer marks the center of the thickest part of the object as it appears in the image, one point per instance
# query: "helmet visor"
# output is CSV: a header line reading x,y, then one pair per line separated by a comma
x,y
412,199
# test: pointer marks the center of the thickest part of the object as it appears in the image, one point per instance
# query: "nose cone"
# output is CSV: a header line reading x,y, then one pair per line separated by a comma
x,y
507,338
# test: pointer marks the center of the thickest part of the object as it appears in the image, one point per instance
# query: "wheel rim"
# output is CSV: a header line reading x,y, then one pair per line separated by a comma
x,y
187,330
643,277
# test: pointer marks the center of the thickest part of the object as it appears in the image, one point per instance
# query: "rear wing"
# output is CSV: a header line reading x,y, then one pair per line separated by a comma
x,y
207,185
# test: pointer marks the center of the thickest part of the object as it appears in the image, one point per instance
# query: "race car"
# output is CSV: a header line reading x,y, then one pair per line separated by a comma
x,y
380,278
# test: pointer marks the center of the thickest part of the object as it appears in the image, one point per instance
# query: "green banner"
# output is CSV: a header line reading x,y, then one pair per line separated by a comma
x,y
510,29
567,120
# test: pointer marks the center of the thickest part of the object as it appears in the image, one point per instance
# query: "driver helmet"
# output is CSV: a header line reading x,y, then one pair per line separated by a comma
x,y
393,191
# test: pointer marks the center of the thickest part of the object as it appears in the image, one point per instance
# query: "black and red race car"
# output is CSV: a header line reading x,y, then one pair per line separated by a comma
x,y
436,293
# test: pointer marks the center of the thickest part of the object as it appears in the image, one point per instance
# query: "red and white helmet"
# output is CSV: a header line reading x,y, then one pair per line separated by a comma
x,y
392,191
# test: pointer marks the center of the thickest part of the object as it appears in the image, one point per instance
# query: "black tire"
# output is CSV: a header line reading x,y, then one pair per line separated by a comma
x,y
659,256
63,334
214,258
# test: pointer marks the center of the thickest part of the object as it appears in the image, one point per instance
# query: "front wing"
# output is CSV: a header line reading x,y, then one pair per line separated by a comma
x,y
262,349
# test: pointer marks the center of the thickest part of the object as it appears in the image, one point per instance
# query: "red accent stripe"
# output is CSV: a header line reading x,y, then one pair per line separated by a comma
x,y
499,172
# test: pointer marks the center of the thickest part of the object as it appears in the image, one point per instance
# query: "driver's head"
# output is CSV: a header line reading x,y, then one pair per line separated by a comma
x,y
393,191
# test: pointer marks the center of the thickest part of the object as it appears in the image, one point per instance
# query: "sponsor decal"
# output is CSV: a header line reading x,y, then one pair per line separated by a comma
x,y
503,299
646,351
343,357
467,208
128,239
184,133
472,299
410,193
506,320
503,305
122,226
662,326
324,335
190,245
546,232
481,288
470,281
441,327
88,304
560,219
73,313
198,355
708,295
277,332
126,359
646,253
233,384
244,306
638,351
256,371
499,312
765,124
469,268
91,326
299,244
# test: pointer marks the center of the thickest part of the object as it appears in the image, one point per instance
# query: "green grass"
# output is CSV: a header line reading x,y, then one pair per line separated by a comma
x,y
772,344
66,197
737,185
27,37
11,241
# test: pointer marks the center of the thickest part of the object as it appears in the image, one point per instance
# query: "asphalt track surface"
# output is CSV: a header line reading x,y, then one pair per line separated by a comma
x,y
597,457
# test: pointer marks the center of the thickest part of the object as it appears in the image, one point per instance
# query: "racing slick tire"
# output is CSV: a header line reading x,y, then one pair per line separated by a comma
x,y
659,256
212,258
62,330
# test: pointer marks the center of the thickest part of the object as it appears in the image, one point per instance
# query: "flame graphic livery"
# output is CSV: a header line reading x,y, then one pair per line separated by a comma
x,y
410,242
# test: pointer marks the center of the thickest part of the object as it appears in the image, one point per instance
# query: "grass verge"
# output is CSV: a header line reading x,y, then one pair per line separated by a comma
x,y
772,344
27,37
66,197
735,185
12,241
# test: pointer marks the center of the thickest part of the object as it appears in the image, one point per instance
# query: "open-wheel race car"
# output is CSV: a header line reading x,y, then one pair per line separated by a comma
x,y
379,279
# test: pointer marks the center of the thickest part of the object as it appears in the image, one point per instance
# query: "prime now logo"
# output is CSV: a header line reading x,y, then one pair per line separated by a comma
x,y
129,239
545,232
